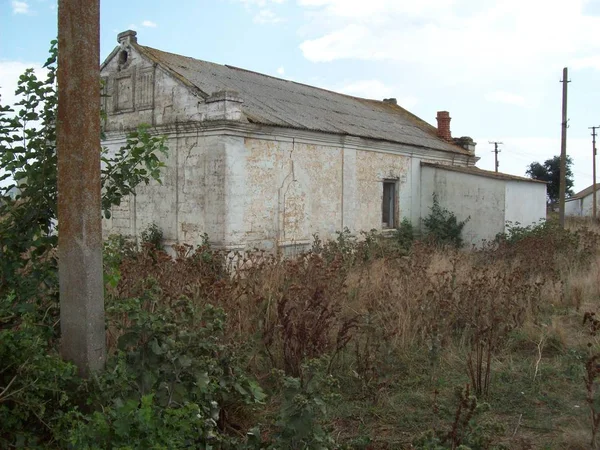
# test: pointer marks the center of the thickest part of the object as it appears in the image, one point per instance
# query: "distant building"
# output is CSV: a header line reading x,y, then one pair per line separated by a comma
x,y
581,204
260,161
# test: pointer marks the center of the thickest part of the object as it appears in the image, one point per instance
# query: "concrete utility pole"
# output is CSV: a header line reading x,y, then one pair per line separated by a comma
x,y
496,151
79,206
594,171
563,151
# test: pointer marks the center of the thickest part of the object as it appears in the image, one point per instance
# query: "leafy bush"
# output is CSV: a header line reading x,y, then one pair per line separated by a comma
x,y
515,232
170,382
144,424
153,235
36,385
442,226
405,234
300,421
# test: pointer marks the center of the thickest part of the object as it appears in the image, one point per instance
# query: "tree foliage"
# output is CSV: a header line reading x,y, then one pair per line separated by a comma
x,y
28,162
550,173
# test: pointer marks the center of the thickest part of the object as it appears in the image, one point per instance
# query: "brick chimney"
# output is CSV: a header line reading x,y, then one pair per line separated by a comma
x,y
443,120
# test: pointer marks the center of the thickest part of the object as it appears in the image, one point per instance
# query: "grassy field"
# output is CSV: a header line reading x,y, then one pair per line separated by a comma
x,y
416,346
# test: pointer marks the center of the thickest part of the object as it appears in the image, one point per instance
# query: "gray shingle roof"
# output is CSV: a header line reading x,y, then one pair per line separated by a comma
x,y
274,101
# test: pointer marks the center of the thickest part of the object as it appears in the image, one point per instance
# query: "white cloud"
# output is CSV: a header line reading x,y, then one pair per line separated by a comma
x,y
9,76
592,62
281,70
461,40
266,16
376,90
505,97
20,7
376,9
149,24
260,3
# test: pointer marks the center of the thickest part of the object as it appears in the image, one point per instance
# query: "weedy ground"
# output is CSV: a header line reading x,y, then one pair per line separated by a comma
x,y
430,346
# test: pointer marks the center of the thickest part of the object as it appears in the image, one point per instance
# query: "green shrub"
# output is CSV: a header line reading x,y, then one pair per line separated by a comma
x,y
515,232
442,226
152,235
36,385
170,381
405,234
146,424
300,422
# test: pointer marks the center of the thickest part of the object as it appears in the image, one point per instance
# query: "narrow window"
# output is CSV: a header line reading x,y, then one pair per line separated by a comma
x,y
388,208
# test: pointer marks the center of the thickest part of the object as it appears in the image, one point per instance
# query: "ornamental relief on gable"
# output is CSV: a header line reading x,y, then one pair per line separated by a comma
x,y
129,90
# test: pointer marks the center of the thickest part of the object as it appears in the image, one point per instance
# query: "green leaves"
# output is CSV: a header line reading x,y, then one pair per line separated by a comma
x,y
171,360
549,172
28,158
443,227
135,163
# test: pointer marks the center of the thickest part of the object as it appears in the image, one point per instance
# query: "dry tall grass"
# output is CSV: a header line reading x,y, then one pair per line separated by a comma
x,y
356,304
315,304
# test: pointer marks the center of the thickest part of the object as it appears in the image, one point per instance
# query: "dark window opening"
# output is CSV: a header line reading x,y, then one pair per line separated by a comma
x,y
388,208
123,57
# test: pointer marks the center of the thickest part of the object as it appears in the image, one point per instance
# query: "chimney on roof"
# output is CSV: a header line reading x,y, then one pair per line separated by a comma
x,y
443,120
127,37
390,101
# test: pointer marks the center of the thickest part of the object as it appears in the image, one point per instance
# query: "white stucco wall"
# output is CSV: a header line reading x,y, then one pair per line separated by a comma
x,y
293,189
588,203
583,206
191,199
573,207
525,202
489,202
480,199
252,191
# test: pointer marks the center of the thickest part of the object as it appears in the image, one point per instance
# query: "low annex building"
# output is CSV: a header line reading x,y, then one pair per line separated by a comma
x,y
582,203
258,161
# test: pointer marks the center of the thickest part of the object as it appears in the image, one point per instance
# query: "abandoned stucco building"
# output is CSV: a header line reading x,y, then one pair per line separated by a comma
x,y
260,161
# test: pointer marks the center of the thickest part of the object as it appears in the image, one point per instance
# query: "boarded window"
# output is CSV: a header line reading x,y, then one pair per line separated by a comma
x,y
144,89
388,208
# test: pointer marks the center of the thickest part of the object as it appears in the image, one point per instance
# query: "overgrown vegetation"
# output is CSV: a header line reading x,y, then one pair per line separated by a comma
x,y
364,342
357,344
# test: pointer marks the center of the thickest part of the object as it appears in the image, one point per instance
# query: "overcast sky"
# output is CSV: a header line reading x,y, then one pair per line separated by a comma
x,y
495,65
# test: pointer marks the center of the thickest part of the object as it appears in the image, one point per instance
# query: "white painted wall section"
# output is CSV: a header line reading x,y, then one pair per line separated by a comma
x,y
473,197
525,202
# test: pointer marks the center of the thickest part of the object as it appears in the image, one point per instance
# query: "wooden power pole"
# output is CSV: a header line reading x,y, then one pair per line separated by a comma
x,y
496,151
79,206
594,171
563,151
